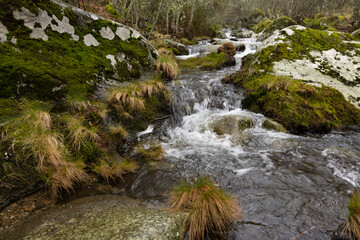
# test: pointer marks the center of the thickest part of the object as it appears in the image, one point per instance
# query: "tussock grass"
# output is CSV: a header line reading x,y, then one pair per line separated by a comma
x,y
119,130
111,170
32,136
167,65
76,102
210,208
78,133
152,153
65,177
129,96
132,97
352,226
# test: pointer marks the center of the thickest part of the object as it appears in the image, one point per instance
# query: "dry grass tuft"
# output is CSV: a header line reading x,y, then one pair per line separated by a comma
x,y
112,170
352,226
167,65
76,102
78,133
119,130
152,153
211,209
130,97
65,177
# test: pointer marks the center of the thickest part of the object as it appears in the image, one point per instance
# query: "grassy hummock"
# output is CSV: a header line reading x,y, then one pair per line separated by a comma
x,y
352,226
210,208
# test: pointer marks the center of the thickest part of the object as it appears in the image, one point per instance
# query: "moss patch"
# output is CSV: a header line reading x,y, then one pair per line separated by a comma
x,y
269,26
299,107
211,61
48,69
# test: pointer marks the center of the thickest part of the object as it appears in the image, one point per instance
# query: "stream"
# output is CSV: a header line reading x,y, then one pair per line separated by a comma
x,y
291,187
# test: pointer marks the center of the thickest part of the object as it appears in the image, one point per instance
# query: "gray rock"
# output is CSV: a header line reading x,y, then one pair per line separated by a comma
x,y
90,40
123,33
100,217
182,49
107,33
3,33
272,125
212,48
231,124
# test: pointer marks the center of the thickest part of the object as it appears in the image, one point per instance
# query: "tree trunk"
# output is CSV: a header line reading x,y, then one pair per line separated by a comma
x,y
356,14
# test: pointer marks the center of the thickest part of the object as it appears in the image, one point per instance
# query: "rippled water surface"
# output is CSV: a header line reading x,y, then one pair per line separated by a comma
x,y
291,187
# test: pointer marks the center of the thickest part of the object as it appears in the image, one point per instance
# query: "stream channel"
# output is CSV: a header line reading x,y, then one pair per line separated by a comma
x,y
290,186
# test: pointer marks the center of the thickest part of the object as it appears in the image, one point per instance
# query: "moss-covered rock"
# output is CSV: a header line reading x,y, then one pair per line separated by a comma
x,y
266,26
272,125
325,64
50,48
327,23
211,61
298,106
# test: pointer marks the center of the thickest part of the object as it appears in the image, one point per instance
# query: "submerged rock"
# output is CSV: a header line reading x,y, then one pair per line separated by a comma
x,y
231,124
272,125
100,217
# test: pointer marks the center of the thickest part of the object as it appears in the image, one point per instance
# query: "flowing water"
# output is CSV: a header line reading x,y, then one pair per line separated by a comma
x,y
291,187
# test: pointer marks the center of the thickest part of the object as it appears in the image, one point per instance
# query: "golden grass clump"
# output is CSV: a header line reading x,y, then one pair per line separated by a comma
x,y
129,96
152,153
112,170
65,177
76,102
31,136
78,133
132,97
167,65
119,130
352,226
210,208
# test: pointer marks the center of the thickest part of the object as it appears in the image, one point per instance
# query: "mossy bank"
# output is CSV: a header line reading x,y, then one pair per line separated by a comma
x,y
306,79
70,96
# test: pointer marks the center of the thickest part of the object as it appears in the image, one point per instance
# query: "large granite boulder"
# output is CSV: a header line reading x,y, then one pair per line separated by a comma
x,y
48,47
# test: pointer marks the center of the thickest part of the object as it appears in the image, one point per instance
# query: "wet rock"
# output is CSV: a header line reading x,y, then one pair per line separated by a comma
x,y
100,217
272,125
242,33
212,48
231,124
181,48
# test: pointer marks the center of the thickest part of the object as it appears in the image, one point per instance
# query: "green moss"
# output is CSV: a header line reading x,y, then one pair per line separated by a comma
x,y
211,61
112,11
8,109
35,67
269,26
327,23
297,106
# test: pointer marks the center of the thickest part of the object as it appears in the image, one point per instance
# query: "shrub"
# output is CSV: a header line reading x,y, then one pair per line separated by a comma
x,y
352,226
210,208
